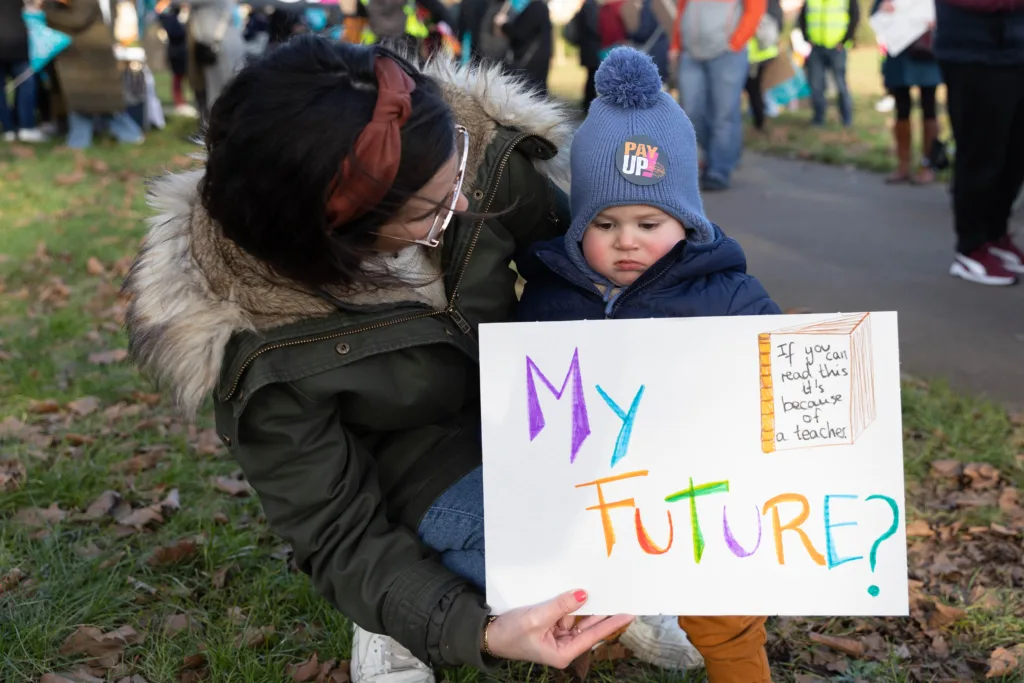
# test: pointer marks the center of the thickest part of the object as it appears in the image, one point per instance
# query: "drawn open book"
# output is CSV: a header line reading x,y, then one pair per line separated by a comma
x,y
817,383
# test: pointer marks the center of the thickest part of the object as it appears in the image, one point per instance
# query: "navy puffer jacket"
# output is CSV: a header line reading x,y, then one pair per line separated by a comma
x,y
690,281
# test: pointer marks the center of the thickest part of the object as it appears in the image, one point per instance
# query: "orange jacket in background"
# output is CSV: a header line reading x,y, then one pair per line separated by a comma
x,y
745,29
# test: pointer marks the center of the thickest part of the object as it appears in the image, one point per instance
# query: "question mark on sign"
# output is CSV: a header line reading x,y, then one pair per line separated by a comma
x,y
873,555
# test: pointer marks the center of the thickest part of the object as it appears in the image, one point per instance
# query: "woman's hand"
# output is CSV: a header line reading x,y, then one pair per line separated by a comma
x,y
888,6
548,633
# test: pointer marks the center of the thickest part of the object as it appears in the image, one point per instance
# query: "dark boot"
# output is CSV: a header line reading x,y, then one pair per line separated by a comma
x,y
901,132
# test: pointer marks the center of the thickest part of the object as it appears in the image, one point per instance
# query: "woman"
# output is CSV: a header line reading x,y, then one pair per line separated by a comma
x,y
216,48
915,66
530,36
322,279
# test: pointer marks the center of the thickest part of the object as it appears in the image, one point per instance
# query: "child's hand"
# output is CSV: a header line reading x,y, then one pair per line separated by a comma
x,y
888,6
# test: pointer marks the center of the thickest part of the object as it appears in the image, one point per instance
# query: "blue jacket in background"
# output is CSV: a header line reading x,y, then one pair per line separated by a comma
x,y
973,35
659,47
690,281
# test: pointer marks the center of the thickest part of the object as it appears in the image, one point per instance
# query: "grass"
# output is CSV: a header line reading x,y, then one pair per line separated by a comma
x,y
70,224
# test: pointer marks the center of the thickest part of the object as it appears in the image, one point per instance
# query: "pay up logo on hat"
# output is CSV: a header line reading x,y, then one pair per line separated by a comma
x,y
641,161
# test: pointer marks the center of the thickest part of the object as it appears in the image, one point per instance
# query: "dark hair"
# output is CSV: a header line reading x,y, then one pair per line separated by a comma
x,y
277,136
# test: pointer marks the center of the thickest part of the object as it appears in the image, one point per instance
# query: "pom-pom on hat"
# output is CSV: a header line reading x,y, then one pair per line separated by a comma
x,y
636,146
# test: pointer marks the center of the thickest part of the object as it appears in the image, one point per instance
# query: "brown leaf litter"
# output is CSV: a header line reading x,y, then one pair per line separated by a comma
x,y
954,569
233,485
180,551
105,649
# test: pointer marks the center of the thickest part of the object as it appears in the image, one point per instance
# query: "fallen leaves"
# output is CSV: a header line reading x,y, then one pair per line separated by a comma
x,y
254,637
179,623
103,506
37,518
139,463
108,357
105,649
79,675
232,486
182,550
847,646
208,442
304,672
94,266
1002,661
10,580
85,406
12,475
920,528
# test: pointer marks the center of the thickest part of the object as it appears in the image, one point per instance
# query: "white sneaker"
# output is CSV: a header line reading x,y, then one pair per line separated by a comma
x,y
10,136
186,111
32,135
983,267
658,640
380,659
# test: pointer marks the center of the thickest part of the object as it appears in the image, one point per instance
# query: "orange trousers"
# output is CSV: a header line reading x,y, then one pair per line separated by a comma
x,y
732,647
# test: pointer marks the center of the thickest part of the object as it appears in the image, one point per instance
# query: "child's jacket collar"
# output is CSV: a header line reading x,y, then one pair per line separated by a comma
x,y
685,261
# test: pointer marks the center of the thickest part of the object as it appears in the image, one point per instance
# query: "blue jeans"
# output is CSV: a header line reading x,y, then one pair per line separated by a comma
x,y
454,527
24,98
121,126
711,94
834,60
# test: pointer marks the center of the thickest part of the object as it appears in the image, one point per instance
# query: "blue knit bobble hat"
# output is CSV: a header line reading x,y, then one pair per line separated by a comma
x,y
636,146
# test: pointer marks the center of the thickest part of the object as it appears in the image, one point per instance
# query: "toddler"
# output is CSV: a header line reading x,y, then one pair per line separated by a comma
x,y
639,246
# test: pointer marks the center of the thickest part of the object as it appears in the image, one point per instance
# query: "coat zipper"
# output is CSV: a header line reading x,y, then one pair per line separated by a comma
x,y
451,311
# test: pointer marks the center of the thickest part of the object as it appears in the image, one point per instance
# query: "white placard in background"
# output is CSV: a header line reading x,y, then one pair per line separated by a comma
x,y
897,30
700,466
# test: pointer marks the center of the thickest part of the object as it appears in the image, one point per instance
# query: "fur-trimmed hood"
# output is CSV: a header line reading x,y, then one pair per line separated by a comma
x,y
191,289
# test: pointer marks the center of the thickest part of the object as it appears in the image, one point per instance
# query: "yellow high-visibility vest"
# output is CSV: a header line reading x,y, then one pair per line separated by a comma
x,y
827,22
757,54
413,26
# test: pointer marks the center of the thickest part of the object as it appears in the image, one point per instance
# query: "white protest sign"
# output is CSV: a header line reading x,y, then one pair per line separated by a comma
x,y
699,466
909,20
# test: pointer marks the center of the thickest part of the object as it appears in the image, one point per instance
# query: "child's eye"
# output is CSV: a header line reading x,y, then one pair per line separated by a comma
x,y
602,226
649,226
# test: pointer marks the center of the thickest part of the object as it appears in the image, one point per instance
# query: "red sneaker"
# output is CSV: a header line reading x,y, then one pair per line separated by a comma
x,y
983,267
1009,253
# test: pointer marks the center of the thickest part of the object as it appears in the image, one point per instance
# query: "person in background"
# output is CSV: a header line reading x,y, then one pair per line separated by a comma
x,y
530,35
915,66
713,68
18,124
88,75
761,56
582,31
648,35
217,50
177,57
980,48
829,26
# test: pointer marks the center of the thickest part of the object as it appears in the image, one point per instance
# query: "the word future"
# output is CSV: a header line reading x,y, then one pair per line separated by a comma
x,y
573,380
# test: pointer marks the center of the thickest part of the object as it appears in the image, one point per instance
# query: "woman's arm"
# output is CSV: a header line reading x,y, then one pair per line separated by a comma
x,y
319,490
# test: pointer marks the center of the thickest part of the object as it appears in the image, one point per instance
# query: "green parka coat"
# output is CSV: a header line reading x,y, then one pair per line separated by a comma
x,y
350,417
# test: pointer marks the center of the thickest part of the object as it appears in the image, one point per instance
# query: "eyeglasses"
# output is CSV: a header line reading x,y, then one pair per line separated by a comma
x,y
443,215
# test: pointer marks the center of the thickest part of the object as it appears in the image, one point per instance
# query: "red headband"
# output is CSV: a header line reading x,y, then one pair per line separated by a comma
x,y
360,186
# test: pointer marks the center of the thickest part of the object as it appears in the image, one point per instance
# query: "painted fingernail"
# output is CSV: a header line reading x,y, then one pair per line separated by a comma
x,y
580,596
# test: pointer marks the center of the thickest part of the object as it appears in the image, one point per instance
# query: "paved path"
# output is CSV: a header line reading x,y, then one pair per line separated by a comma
x,y
833,239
